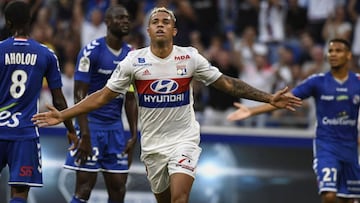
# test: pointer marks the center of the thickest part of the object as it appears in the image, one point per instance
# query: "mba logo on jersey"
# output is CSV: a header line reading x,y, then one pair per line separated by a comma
x,y
182,57
163,93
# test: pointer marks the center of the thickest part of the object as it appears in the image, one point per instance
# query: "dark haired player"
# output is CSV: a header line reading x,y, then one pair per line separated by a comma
x,y
337,100
23,65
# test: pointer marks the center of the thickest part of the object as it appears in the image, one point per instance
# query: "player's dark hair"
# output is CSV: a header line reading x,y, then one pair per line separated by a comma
x,y
17,14
111,10
343,41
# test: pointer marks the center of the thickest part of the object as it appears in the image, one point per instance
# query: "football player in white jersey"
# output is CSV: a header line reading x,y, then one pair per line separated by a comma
x,y
162,75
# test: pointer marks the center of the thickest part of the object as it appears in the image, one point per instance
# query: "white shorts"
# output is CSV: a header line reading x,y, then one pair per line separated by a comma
x,y
159,167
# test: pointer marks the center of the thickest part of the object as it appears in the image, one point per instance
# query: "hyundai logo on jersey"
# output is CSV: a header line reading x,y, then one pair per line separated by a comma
x,y
164,86
163,93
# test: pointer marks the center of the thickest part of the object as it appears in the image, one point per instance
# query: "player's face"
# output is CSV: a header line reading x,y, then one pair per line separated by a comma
x,y
161,27
338,54
118,22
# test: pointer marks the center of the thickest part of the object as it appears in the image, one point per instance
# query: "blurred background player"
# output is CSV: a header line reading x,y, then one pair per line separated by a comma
x,y
102,129
23,64
337,100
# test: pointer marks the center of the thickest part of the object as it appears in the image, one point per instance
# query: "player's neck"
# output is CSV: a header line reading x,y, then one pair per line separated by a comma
x,y
20,35
161,50
340,73
114,42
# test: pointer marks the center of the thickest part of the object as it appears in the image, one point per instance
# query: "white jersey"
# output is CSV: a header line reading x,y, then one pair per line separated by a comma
x,y
165,94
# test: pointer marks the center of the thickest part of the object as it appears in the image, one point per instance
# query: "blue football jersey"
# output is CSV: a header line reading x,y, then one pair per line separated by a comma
x,y
23,65
95,64
337,107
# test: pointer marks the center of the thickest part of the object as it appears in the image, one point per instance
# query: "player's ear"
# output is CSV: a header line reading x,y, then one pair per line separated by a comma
x,y
8,24
174,32
349,55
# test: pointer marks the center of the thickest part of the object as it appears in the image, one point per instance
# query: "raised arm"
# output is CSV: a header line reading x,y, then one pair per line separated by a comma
x,y
240,89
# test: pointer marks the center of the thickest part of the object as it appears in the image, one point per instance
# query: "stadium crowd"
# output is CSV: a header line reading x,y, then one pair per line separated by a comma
x,y
267,43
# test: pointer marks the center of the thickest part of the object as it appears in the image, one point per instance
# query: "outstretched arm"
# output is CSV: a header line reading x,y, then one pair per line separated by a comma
x,y
93,101
244,112
240,89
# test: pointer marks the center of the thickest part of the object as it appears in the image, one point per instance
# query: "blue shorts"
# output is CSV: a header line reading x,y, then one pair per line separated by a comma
x,y
108,153
334,175
24,161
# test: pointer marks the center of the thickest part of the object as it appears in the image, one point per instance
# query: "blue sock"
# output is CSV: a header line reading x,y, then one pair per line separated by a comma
x,y
17,200
77,200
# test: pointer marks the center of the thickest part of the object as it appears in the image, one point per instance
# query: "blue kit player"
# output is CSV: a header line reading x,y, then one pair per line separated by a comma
x,y
337,100
23,65
101,131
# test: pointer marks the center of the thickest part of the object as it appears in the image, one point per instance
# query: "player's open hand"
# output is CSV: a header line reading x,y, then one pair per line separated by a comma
x,y
284,99
241,113
49,118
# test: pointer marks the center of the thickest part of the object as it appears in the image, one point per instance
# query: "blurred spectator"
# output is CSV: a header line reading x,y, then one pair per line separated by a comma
x,y
88,6
89,29
260,75
67,33
219,104
336,25
227,14
354,14
250,9
283,73
185,19
42,30
318,13
317,64
272,26
305,46
296,20
247,45
207,19
67,77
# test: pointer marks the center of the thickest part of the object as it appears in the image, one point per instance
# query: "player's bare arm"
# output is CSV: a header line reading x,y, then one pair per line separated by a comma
x,y
93,101
80,92
131,110
240,89
242,112
60,103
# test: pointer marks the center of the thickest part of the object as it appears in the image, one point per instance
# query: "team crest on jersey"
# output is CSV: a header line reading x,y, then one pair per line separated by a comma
x,y
181,70
84,64
141,60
